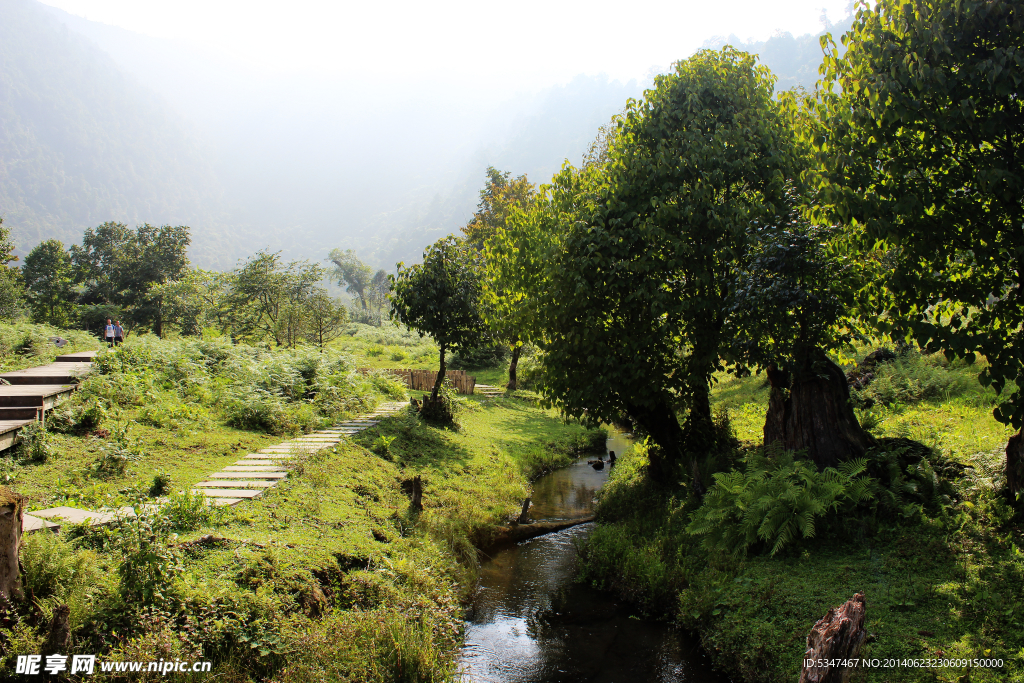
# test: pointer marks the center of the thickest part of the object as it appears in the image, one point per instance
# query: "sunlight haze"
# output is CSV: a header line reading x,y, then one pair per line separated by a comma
x,y
539,41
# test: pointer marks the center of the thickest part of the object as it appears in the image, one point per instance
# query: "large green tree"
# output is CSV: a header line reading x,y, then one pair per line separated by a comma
x,y
441,297
499,199
49,277
197,299
268,297
118,266
634,304
792,303
921,139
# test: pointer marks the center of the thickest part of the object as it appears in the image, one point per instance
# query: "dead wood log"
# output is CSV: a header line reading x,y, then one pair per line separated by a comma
x,y
834,642
12,516
515,533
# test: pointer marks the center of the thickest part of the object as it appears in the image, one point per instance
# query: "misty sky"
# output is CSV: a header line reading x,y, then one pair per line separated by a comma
x,y
530,42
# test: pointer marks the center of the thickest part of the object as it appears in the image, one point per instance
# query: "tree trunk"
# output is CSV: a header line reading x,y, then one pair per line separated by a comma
x,y
1015,464
513,366
699,438
12,515
440,377
815,416
837,636
661,424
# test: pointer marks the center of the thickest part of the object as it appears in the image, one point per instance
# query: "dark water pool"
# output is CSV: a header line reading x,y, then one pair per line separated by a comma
x,y
530,623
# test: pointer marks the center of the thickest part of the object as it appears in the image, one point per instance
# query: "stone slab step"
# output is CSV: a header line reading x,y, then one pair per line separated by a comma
x,y
267,456
30,523
254,468
78,516
224,502
229,493
237,483
247,472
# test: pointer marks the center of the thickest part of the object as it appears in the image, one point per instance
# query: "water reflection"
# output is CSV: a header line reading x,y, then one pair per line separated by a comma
x,y
530,623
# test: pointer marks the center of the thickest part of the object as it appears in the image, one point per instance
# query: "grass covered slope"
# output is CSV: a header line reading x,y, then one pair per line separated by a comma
x,y
941,564
328,576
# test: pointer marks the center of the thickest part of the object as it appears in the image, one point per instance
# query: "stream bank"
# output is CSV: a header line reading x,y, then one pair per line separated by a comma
x,y
530,622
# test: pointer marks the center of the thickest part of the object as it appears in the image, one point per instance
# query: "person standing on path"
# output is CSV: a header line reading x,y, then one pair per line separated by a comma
x,y
108,334
118,333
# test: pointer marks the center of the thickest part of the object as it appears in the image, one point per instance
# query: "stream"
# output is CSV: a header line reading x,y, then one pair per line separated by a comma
x,y
530,623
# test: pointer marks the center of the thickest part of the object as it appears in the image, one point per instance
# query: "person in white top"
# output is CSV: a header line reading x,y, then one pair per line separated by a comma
x,y
109,333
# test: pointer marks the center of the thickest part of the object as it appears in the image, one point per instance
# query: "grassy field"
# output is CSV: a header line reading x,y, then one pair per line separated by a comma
x,y
328,576
390,346
942,582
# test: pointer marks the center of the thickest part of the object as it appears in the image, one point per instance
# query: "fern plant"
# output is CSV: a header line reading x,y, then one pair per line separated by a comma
x,y
777,499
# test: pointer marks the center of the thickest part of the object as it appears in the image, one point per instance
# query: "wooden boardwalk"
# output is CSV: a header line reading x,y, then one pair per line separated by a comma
x,y
26,395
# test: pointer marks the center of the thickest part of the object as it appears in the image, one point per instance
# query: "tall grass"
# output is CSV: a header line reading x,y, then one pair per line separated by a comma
x,y
184,384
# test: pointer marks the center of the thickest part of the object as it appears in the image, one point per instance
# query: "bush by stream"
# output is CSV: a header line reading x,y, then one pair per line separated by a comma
x,y
920,525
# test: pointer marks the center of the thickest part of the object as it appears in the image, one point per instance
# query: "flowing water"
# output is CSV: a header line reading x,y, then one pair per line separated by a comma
x,y
530,623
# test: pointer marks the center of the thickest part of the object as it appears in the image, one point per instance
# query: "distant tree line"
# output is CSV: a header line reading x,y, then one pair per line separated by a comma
x,y
143,278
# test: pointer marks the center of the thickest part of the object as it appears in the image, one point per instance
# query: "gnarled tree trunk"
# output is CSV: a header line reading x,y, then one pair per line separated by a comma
x,y
815,415
835,639
661,424
12,515
440,375
1015,463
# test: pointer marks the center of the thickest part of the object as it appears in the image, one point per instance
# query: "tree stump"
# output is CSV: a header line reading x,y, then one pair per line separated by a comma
x,y
834,640
60,632
810,411
12,515
524,516
1015,464
417,493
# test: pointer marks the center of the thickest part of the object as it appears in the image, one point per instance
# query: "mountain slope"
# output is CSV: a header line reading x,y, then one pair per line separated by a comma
x,y
81,143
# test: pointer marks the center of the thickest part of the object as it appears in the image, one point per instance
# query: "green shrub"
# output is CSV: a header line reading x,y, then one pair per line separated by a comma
x,y
26,344
375,351
188,511
161,484
171,413
149,565
76,416
774,500
33,443
52,566
399,355
912,377
118,451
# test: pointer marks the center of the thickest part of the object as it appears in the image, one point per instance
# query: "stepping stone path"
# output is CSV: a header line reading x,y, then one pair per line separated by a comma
x,y
36,390
257,472
489,391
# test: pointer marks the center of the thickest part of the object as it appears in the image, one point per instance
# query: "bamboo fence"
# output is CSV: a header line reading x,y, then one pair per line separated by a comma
x,y
423,380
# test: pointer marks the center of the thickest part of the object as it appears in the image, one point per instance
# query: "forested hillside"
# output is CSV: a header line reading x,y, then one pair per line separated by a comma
x,y
81,143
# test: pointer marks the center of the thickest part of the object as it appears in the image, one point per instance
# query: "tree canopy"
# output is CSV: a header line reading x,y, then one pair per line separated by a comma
x,y
923,152
49,277
441,297
119,266
634,304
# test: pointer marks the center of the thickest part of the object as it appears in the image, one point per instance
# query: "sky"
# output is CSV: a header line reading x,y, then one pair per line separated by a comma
x,y
535,42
